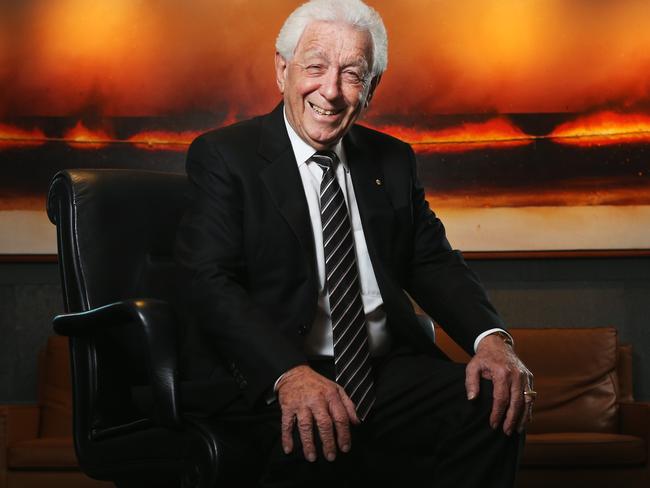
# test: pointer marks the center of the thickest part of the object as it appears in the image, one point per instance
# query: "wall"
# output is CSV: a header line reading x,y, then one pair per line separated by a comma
x,y
30,295
528,293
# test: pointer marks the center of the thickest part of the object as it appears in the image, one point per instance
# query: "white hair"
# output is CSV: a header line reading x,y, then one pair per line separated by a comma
x,y
352,12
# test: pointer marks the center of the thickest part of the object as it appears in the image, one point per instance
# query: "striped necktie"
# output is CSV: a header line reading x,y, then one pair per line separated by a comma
x,y
349,331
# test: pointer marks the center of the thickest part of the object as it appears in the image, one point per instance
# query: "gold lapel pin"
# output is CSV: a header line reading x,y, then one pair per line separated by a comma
x,y
378,181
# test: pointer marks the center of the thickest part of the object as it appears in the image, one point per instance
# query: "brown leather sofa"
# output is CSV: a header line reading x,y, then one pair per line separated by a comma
x,y
587,430
36,448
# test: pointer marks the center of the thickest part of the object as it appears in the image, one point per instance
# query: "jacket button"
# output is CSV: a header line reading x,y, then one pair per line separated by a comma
x,y
302,329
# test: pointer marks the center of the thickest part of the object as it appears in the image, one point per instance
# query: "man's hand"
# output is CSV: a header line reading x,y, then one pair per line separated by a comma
x,y
495,360
306,397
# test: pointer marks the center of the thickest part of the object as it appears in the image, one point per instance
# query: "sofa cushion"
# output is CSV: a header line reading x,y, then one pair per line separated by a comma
x,y
57,452
575,377
583,449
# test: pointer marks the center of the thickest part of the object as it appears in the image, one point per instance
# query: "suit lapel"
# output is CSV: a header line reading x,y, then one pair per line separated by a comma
x,y
282,180
374,204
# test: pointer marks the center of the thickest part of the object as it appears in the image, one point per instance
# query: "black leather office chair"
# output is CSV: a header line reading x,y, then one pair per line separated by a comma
x,y
115,233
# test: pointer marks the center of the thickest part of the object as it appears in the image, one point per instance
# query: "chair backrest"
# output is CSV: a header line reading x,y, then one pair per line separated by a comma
x,y
580,375
115,232
115,237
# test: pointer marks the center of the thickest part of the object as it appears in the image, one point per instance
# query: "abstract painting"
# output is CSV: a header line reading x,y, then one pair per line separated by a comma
x,y
530,118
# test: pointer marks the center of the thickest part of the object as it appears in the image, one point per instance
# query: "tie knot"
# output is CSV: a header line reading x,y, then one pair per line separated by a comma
x,y
325,159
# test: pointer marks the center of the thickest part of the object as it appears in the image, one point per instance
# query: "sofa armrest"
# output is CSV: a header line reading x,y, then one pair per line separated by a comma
x,y
21,422
624,372
151,327
17,423
635,419
3,446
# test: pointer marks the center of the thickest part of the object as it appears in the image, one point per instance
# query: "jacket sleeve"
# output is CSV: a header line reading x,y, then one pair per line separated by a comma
x,y
440,281
212,261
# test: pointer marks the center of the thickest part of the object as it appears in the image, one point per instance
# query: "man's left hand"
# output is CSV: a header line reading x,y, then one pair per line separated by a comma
x,y
496,361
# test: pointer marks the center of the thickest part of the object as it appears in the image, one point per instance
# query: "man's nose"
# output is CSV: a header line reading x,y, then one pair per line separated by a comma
x,y
331,85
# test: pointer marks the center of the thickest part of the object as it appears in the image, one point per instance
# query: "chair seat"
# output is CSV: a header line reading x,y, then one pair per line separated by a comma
x,y
583,449
51,452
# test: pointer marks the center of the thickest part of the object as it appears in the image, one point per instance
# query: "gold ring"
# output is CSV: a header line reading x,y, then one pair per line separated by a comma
x,y
531,393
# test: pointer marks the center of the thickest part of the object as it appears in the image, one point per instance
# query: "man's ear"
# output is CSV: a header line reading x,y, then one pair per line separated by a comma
x,y
281,66
373,86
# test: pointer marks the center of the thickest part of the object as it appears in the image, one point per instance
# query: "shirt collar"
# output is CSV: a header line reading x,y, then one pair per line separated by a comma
x,y
303,151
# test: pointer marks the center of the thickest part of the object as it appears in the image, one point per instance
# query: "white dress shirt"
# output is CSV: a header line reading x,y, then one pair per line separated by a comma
x,y
319,340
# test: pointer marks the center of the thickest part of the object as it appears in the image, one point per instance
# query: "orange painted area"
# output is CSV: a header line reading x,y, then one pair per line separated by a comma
x,y
22,202
153,140
604,128
125,58
442,147
541,197
498,132
16,136
83,137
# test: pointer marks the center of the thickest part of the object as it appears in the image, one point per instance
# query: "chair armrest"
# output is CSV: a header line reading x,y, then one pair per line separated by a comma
x,y
89,322
21,422
635,419
151,327
427,325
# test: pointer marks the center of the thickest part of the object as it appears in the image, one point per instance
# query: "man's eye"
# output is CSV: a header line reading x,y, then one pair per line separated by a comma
x,y
352,77
315,69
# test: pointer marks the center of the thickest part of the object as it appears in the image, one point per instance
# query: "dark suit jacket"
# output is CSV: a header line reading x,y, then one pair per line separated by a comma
x,y
246,251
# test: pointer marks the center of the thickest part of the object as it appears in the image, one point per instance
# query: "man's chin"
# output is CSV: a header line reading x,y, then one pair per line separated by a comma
x,y
324,143
325,139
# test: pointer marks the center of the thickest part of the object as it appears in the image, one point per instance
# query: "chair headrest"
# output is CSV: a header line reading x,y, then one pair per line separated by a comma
x,y
115,233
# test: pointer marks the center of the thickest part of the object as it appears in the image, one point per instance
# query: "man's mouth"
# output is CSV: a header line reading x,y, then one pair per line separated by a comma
x,y
322,111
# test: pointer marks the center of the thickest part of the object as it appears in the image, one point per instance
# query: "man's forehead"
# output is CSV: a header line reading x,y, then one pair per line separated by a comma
x,y
318,40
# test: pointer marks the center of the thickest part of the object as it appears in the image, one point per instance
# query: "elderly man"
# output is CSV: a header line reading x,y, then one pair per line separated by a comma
x,y
303,238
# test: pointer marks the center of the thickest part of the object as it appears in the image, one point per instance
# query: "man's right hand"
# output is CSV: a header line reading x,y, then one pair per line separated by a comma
x,y
306,398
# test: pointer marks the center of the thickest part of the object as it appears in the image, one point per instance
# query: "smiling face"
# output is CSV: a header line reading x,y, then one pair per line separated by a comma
x,y
327,83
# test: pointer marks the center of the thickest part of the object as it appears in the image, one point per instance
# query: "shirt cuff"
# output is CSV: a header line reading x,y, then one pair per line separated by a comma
x,y
487,333
273,395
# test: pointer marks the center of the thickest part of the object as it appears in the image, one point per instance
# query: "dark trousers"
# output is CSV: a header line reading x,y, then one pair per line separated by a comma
x,y
422,431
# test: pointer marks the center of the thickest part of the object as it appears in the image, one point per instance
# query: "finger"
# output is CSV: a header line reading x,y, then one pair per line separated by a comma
x,y
500,400
472,380
341,423
325,427
305,430
527,417
350,409
529,402
288,420
516,407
